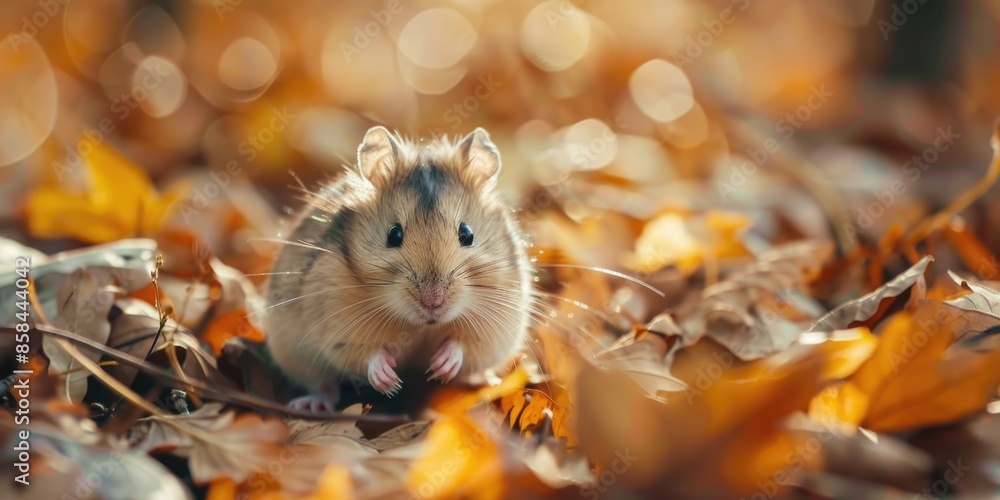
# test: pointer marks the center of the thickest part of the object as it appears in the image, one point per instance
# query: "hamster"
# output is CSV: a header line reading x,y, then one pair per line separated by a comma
x,y
411,259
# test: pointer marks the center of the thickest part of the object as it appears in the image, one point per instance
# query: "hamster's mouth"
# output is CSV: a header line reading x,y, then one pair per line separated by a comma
x,y
434,316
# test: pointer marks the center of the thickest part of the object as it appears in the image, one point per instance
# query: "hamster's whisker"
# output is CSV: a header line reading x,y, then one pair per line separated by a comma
x,y
330,347
300,297
475,254
399,272
543,317
359,321
297,243
317,325
609,272
487,267
576,303
409,266
275,274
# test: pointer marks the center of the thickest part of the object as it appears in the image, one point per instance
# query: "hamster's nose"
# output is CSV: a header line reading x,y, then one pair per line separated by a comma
x,y
432,297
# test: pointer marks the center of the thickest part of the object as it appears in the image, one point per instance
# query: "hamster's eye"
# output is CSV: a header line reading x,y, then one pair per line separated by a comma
x,y
464,235
395,237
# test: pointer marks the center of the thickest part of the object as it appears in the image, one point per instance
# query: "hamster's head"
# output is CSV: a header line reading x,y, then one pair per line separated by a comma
x,y
430,242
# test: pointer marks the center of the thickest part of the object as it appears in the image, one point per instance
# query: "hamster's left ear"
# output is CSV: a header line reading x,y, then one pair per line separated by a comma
x,y
482,160
377,155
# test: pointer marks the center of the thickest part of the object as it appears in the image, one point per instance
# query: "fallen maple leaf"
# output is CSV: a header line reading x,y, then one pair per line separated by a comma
x,y
115,200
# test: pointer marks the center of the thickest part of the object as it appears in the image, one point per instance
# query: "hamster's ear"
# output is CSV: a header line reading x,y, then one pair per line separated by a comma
x,y
482,160
377,155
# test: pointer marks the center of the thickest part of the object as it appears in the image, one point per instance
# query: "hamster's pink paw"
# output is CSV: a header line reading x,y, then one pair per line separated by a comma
x,y
381,375
316,403
446,363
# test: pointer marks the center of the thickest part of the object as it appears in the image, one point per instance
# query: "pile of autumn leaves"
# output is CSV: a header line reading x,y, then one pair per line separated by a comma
x,y
859,403
744,384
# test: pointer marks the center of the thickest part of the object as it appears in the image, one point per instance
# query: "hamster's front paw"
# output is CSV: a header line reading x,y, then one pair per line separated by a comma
x,y
446,363
381,375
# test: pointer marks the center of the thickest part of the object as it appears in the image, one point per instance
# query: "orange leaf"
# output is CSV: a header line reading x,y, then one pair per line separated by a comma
x,y
461,460
910,381
231,324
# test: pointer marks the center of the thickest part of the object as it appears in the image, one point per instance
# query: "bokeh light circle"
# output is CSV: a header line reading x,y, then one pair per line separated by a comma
x,y
164,84
28,98
661,90
437,38
247,64
555,35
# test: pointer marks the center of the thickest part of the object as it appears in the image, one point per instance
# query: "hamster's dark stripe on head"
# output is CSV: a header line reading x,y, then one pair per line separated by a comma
x,y
427,181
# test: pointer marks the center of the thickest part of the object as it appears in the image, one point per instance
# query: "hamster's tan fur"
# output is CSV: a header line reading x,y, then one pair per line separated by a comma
x,y
342,301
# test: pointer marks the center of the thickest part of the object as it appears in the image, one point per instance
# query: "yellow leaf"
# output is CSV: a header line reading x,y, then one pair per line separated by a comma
x,y
461,460
685,242
456,402
335,482
118,201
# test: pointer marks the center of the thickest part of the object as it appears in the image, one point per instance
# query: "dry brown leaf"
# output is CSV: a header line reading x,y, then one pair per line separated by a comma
x,y
83,309
882,460
864,308
223,445
133,331
980,309
759,309
63,467
644,355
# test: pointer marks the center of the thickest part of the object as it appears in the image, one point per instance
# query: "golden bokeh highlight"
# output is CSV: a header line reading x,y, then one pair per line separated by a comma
x,y
28,98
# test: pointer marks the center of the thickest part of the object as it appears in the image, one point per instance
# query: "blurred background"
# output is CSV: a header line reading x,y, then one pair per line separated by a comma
x,y
815,118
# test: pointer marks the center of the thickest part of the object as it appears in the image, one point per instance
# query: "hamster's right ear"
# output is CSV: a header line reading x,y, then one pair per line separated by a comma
x,y
377,155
